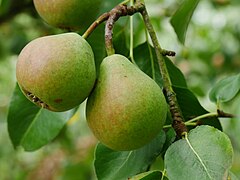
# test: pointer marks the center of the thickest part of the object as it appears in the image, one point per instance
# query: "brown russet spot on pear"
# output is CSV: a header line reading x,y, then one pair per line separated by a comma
x,y
126,109
56,72
72,14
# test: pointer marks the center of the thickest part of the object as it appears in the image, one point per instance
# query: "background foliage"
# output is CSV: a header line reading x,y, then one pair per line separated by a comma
x,y
211,52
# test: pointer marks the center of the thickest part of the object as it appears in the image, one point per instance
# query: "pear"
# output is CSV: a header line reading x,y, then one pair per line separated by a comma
x,y
73,14
126,109
56,72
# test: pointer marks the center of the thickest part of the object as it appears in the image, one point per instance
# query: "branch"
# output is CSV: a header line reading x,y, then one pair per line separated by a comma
x,y
119,10
178,120
95,24
131,55
224,114
114,15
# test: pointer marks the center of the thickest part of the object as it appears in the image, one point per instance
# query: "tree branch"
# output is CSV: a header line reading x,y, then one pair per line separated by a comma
x,y
114,15
178,120
95,24
118,11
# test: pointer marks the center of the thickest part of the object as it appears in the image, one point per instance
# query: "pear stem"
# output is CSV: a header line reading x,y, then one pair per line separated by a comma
x,y
121,10
115,14
131,56
109,32
95,24
178,120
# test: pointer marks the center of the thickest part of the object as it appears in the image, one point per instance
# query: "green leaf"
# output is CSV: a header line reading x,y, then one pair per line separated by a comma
x,y
226,89
146,60
170,138
187,100
176,76
150,175
191,107
121,165
108,5
119,40
32,127
206,153
232,176
96,40
182,17
4,7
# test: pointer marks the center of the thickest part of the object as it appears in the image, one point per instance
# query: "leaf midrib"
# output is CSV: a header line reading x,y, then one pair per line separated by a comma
x,y
30,126
124,162
198,157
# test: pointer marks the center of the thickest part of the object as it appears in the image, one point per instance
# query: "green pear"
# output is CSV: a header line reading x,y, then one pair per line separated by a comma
x,y
126,109
73,14
56,72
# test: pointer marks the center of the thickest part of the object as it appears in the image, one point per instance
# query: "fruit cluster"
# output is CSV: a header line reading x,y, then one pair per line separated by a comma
x,y
125,109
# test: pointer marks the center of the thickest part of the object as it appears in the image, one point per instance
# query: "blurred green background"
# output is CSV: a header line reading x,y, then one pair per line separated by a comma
x,y
211,52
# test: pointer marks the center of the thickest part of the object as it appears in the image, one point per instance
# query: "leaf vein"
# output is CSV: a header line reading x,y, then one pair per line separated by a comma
x,y
29,128
198,157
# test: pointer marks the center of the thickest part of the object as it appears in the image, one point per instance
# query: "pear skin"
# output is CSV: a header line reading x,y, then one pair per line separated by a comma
x,y
126,109
56,72
73,14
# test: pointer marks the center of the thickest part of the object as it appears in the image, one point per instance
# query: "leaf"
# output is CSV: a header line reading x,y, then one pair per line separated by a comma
x,y
182,17
108,5
232,176
191,107
119,40
206,153
32,127
146,60
143,58
176,76
226,89
4,7
187,100
150,175
121,165
170,138
96,40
